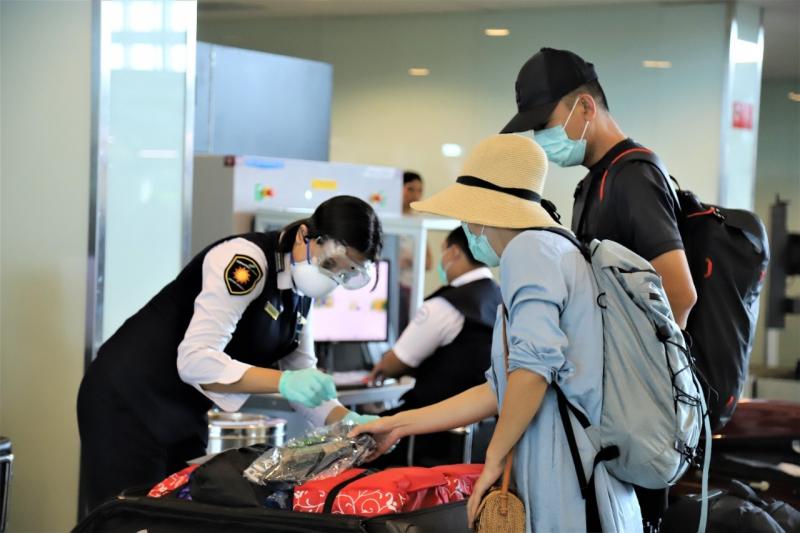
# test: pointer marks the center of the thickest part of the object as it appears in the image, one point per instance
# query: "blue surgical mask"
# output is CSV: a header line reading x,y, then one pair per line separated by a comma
x,y
480,247
442,270
442,273
559,148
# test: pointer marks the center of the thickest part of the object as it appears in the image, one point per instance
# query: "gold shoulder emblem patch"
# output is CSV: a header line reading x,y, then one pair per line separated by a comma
x,y
242,274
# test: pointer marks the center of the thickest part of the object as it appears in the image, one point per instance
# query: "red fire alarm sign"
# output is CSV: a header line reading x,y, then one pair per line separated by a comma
x,y
743,115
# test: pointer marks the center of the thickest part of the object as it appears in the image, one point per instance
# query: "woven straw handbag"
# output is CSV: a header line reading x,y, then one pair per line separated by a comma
x,y
501,510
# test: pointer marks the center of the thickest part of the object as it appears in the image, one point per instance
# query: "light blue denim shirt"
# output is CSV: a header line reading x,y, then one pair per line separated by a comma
x,y
555,330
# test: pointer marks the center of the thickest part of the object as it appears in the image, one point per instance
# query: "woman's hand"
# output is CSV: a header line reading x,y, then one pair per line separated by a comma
x,y
492,471
386,431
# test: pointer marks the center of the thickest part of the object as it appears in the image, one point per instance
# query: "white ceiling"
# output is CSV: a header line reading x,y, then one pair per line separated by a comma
x,y
781,17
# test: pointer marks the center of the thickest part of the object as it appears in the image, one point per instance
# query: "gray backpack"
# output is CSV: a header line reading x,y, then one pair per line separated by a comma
x,y
653,410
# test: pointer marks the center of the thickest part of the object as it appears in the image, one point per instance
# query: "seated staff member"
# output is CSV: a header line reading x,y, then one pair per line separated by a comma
x,y
210,336
554,332
446,346
451,334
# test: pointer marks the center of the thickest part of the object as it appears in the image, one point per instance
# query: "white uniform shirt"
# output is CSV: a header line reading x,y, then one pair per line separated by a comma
x,y
437,323
201,359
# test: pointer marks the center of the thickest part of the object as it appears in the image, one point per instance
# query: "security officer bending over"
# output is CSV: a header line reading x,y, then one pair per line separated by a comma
x,y
210,336
447,344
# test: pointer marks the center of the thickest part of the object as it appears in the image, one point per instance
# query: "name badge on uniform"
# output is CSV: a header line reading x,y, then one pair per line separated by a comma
x,y
301,321
272,311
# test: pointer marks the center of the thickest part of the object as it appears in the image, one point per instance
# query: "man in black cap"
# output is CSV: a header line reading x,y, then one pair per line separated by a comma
x,y
560,98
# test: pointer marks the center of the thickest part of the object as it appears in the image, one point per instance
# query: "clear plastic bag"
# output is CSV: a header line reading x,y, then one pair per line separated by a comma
x,y
323,452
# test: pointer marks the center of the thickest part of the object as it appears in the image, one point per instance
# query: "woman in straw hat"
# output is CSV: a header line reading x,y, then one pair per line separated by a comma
x,y
554,332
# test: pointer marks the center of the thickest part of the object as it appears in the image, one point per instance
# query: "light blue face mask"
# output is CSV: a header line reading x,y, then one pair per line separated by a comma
x,y
442,273
560,149
480,247
442,270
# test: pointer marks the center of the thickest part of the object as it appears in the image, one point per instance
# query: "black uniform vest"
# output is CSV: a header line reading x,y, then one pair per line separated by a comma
x,y
139,362
462,364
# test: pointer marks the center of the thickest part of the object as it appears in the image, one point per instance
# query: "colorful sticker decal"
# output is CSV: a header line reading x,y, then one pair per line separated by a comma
x,y
378,198
263,191
318,184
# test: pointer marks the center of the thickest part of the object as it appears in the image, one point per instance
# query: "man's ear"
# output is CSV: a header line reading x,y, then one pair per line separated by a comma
x,y
588,107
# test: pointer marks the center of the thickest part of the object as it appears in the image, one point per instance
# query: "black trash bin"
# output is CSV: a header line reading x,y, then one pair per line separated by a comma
x,y
6,461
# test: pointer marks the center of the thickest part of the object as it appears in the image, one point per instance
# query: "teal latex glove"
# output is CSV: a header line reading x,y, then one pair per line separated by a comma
x,y
308,386
358,419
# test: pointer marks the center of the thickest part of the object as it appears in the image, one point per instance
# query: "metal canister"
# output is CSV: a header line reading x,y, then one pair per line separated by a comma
x,y
235,430
6,464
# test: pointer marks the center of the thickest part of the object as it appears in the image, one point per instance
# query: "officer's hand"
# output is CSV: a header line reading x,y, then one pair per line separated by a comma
x,y
358,419
376,375
308,386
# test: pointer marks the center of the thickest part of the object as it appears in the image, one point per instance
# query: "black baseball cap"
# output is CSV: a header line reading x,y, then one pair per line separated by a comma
x,y
542,82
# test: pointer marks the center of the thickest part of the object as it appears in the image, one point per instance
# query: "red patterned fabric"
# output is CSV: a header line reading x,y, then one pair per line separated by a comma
x,y
460,479
396,490
173,482
310,496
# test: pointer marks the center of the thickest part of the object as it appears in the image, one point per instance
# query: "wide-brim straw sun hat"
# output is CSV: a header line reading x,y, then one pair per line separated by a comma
x,y
500,185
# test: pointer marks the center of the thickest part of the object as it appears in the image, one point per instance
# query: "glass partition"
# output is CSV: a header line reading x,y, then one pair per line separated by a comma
x,y
144,120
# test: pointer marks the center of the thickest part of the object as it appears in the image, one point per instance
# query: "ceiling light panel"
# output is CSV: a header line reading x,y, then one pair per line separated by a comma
x,y
653,63
497,32
418,71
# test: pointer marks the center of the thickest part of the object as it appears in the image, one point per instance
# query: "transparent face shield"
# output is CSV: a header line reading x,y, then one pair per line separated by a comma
x,y
332,260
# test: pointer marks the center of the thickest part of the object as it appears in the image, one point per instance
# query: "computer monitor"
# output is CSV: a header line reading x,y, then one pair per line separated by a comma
x,y
360,315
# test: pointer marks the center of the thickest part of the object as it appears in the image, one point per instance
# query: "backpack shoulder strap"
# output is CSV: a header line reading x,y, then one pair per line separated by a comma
x,y
571,238
580,204
647,156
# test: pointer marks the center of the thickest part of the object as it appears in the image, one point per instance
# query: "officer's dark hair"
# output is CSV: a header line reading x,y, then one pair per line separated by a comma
x,y
346,219
409,176
457,237
593,88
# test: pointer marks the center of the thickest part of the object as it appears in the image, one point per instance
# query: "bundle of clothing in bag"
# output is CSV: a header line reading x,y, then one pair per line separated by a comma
x,y
318,473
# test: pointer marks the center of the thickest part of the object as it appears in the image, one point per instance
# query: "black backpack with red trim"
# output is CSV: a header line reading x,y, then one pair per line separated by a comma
x,y
728,252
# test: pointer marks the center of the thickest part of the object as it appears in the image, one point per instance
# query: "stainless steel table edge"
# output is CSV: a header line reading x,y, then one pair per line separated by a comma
x,y
347,397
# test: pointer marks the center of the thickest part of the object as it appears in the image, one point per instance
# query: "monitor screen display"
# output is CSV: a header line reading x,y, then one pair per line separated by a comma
x,y
361,315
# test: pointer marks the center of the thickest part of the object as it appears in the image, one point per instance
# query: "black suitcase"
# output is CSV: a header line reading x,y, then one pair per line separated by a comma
x,y
735,509
167,515
223,501
761,436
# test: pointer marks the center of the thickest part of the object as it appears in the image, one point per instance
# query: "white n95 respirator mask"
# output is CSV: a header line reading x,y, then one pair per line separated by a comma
x,y
318,276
